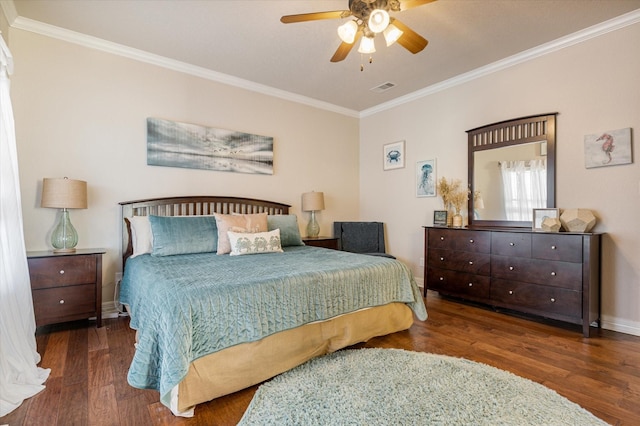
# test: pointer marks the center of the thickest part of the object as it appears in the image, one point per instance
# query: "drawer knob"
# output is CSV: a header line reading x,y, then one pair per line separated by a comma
x,y
511,268
62,301
442,258
441,278
62,272
553,247
470,284
553,300
510,291
471,241
441,238
553,274
512,244
471,262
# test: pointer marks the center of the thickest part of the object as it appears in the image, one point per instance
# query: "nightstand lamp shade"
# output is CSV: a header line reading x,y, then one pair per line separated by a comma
x,y
64,194
313,202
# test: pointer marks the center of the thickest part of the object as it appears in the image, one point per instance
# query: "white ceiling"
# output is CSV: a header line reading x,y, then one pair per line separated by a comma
x,y
246,40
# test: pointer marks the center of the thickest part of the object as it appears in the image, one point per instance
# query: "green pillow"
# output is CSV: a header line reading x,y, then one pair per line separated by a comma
x,y
183,235
289,231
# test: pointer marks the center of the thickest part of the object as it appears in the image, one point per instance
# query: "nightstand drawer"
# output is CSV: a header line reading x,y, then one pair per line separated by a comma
x,y
64,303
49,272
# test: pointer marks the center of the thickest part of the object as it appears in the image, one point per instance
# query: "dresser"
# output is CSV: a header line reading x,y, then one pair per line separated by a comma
x,y
66,286
551,275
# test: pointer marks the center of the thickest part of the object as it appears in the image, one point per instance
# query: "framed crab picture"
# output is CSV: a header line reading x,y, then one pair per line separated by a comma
x,y
393,155
608,148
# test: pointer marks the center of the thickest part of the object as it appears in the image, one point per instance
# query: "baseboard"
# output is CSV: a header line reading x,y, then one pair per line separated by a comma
x,y
620,325
109,310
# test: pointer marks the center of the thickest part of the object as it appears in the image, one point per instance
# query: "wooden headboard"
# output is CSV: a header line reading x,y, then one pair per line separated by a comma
x,y
191,206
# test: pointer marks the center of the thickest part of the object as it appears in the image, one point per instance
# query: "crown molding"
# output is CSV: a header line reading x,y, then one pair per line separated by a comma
x,y
161,61
605,27
37,27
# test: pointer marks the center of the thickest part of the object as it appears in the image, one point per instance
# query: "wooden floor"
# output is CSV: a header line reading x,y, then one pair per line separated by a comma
x,y
88,383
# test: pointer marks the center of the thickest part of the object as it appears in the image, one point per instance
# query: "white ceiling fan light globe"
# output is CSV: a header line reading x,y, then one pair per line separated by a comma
x,y
347,32
378,20
392,34
367,45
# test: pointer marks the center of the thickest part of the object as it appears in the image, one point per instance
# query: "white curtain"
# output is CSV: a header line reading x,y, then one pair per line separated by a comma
x,y
525,187
20,377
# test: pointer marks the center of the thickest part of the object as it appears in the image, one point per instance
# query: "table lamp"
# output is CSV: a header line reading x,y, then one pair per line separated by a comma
x,y
313,202
64,194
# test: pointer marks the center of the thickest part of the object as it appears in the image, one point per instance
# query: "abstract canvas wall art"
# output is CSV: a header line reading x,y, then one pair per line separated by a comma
x,y
174,144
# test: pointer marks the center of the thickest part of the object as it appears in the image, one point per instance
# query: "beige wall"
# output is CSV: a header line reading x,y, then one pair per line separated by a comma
x,y
594,86
82,113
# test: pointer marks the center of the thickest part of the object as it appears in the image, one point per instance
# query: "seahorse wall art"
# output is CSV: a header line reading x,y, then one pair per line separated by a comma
x,y
608,148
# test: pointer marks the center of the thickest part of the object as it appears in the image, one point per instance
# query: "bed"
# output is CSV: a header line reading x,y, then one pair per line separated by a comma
x,y
212,319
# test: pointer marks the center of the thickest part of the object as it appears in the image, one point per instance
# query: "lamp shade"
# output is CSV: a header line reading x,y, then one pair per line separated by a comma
x,y
312,201
367,45
64,193
378,20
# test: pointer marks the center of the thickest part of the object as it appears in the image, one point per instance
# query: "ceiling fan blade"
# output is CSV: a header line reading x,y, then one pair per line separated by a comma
x,y
410,4
410,40
316,16
344,49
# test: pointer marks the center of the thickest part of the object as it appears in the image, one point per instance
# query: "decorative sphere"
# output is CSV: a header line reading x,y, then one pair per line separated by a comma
x,y
577,220
550,224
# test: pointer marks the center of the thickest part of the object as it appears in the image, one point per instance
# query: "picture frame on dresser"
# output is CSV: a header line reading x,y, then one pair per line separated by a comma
x,y
440,217
541,214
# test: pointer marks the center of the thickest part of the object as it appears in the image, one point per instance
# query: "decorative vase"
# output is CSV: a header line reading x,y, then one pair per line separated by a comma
x,y
457,220
450,214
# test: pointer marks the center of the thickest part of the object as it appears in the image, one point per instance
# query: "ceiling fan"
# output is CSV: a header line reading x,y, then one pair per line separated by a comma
x,y
370,17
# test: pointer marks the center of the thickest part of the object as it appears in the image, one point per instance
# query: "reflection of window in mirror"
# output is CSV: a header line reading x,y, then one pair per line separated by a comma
x,y
512,181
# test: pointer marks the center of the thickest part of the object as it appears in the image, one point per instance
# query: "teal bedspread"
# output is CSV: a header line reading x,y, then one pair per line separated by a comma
x,y
188,306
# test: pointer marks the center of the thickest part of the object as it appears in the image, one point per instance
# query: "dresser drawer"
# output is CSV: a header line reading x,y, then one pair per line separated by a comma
x,y
511,244
555,246
59,304
551,273
48,272
550,302
471,241
460,284
475,263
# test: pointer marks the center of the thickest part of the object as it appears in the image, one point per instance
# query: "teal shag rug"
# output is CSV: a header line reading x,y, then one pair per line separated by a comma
x,y
398,387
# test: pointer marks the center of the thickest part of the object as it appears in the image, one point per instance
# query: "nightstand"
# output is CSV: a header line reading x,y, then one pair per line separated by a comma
x,y
66,286
326,242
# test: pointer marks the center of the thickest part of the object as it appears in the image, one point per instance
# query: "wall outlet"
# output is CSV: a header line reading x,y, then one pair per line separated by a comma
x,y
118,277
422,261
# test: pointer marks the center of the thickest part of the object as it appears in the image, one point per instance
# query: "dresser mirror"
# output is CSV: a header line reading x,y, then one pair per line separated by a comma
x,y
511,171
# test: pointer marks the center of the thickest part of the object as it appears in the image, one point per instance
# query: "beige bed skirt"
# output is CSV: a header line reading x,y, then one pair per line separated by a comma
x,y
247,364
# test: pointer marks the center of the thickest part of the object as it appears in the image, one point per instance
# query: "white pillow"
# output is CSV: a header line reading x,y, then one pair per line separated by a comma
x,y
253,243
141,235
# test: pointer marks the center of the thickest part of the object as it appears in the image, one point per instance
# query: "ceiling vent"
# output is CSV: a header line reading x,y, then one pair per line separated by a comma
x,y
383,87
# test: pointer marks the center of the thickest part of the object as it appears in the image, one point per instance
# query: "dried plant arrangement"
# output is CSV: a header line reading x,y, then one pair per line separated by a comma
x,y
453,193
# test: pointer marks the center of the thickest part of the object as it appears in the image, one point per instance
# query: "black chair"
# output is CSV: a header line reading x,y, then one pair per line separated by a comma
x,y
361,237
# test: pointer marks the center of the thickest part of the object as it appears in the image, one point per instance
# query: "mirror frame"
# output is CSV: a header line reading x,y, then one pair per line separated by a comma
x,y
534,128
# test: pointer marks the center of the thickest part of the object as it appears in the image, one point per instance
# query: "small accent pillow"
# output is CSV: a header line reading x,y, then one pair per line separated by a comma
x,y
141,235
244,223
253,243
289,231
183,235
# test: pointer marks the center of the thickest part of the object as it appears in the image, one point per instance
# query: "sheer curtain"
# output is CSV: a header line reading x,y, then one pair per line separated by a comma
x,y
20,377
525,187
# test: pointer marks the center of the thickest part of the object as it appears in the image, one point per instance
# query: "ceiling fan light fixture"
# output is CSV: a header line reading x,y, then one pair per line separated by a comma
x,y
347,32
378,20
392,34
367,45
